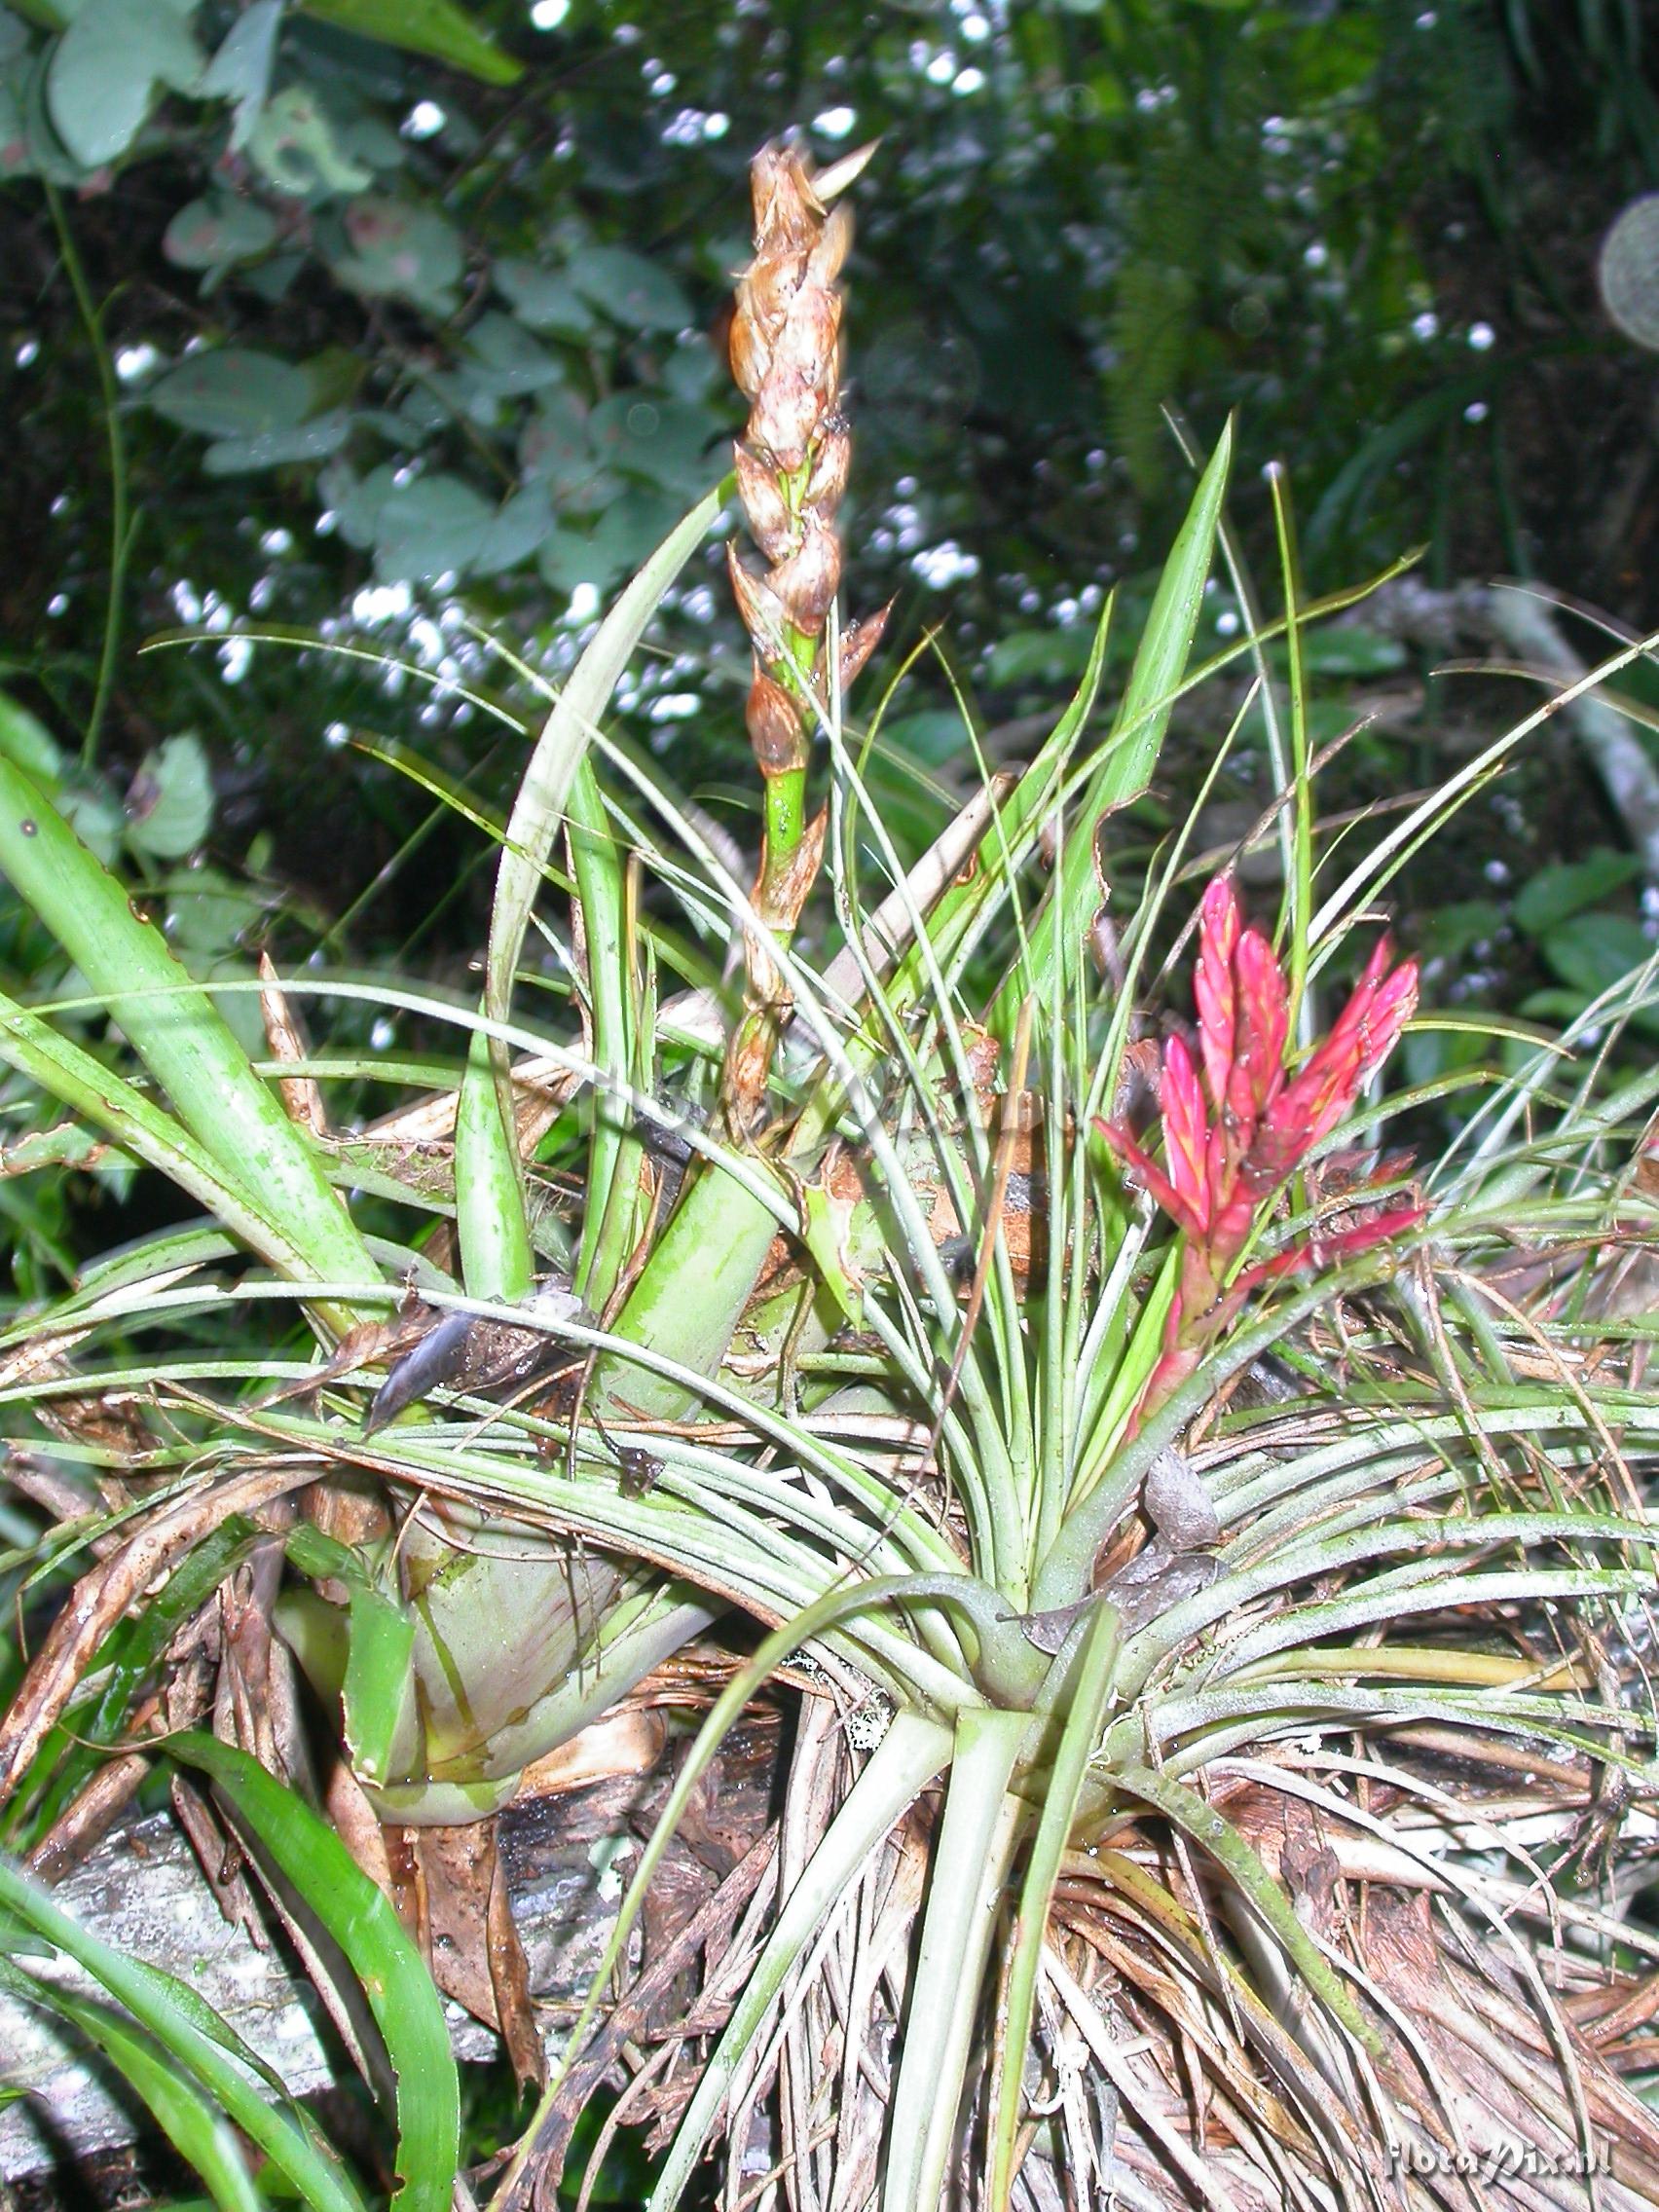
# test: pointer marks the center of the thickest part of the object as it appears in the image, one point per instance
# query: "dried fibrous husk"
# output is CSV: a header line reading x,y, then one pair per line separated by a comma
x,y
795,452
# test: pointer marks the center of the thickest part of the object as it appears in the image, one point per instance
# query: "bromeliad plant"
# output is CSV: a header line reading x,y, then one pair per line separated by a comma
x,y
1216,1603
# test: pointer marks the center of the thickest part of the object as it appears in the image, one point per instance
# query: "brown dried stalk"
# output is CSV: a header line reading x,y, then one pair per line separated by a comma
x,y
792,463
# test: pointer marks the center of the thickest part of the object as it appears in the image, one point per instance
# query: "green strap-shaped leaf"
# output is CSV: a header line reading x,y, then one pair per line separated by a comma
x,y
1087,1692
172,2013
976,1843
195,2127
539,807
687,1301
377,1683
494,1241
1213,1833
380,1680
596,865
176,1030
401,1991
71,1074
1014,830
490,1217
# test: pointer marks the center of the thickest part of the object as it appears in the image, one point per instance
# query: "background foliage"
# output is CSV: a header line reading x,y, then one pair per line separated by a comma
x,y
407,333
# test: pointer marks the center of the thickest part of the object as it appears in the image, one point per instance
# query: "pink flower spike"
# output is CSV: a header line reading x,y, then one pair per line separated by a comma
x,y
1219,915
1315,1101
1214,986
1351,1026
1231,1222
1186,1133
1264,1027
1140,1163
1393,1007
1381,1005
1175,1362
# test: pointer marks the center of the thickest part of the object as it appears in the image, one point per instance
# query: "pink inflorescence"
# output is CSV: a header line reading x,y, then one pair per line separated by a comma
x,y
1235,1134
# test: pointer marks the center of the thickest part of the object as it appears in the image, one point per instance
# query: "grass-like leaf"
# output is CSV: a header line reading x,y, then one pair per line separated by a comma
x,y
1088,1686
1137,733
405,2005
175,1028
539,807
174,2015
978,1833
196,2129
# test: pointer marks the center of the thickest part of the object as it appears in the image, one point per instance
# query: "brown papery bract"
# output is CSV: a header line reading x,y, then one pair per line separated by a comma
x,y
794,457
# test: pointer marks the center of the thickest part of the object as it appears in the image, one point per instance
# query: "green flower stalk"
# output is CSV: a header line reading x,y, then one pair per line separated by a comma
x,y
793,462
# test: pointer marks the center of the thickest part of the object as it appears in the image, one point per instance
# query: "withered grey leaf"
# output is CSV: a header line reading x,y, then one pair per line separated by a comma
x,y
1155,1580
1178,1505
475,1352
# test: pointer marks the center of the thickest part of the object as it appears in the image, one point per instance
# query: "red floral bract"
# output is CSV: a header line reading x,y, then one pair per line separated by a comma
x,y
1235,1132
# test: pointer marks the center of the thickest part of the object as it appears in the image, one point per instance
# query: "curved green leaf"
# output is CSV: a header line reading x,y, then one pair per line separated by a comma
x,y
490,1221
172,806
1228,1847
906,1761
400,1992
176,1030
632,291
977,1836
435,27
103,77
539,807
494,1241
240,69
70,1072
195,2128
234,391
174,2014
608,1228
1088,1691
1137,734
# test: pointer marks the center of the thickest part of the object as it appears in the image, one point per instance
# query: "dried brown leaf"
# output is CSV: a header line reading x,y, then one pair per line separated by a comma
x,y
285,1034
103,1595
366,1344
450,1886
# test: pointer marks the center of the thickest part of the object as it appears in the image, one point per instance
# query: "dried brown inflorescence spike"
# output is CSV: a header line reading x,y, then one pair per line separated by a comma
x,y
792,457
792,471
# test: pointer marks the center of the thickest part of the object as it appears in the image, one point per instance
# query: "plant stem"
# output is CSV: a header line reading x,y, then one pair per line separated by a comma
x,y
120,524
785,822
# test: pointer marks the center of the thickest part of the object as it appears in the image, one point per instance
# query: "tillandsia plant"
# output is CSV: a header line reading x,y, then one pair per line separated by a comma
x,y
1219,1559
